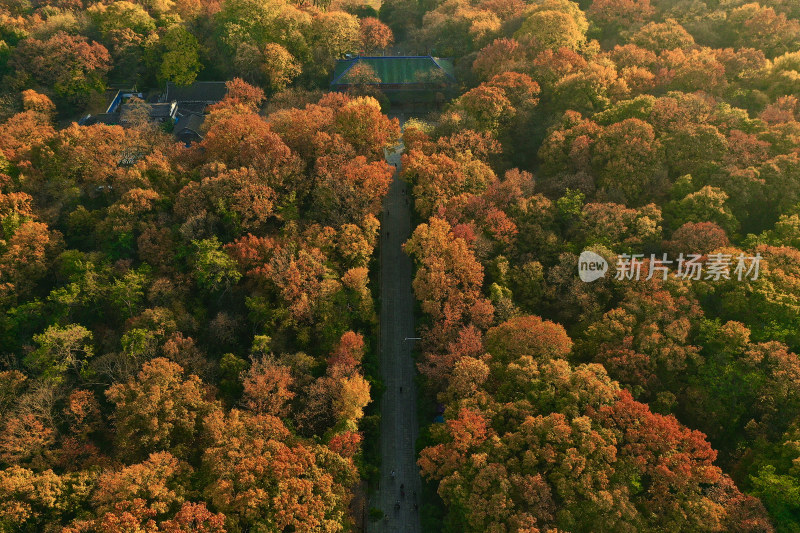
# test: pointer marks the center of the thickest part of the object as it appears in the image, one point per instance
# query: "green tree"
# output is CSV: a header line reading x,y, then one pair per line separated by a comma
x,y
214,270
177,56
780,494
60,349
127,293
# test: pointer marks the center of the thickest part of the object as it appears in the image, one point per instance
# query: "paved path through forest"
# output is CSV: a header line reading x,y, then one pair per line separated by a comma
x,y
399,426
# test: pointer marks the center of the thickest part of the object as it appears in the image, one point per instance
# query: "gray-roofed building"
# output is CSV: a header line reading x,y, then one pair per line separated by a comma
x,y
163,112
192,102
184,106
189,128
159,113
120,97
109,119
196,96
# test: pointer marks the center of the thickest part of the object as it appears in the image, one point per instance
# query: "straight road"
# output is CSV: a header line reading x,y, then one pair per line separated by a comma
x,y
399,425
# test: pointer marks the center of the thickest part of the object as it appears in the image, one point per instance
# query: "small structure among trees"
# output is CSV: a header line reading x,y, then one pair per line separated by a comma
x,y
404,80
196,96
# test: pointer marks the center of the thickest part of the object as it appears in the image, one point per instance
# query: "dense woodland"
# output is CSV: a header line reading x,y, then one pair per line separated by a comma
x,y
187,339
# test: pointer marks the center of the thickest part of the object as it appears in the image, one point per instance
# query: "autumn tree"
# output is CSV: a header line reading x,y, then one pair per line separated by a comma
x,y
457,27
694,69
527,336
71,66
29,433
660,36
696,238
23,131
158,411
280,68
439,179
619,228
625,339
348,189
332,35
39,499
267,387
552,25
233,201
25,246
760,27
262,477
448,280
141,493
254,23
246,140
502,55
593,420
337,400
361,123
500,104
375,35
616,16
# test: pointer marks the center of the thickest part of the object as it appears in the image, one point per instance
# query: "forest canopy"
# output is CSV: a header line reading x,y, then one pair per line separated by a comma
x,y
189,288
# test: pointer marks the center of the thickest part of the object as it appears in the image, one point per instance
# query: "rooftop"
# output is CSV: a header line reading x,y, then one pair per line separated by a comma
x,y
163,110
157,111
205,92
191,122
110,119
398,70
